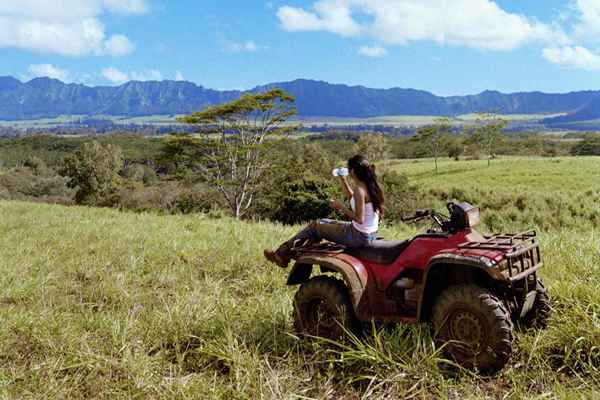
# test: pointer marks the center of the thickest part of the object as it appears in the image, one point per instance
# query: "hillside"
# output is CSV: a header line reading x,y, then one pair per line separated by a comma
x,y
48,98
96,302
589,112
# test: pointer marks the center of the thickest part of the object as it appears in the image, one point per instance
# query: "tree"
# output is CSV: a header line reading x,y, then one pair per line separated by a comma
x,y
487,134
589,146
94,171
373,146
232,151
434,137
454,146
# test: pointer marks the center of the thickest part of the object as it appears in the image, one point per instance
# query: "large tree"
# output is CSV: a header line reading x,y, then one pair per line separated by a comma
x,y
231,152
434,137
487,133
374,146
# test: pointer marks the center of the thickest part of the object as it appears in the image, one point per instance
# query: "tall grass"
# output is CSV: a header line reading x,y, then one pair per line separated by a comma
x,y
96,303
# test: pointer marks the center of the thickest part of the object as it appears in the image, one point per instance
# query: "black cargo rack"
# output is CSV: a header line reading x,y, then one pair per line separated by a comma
x,y
522,252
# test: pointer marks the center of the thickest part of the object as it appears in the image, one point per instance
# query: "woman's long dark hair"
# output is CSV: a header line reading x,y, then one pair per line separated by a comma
x,y
366,173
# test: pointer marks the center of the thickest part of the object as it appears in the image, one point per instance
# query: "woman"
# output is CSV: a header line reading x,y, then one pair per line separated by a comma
x,y
366,200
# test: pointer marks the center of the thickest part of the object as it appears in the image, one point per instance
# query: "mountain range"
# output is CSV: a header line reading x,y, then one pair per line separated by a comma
x,y
47,98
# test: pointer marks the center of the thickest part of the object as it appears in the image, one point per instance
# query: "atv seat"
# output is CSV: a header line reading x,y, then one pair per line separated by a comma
x,y
379,251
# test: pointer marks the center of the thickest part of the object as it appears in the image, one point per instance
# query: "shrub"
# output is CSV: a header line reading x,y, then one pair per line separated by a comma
x,y
27,184
94,171
140,173
589,146
199,198
304,199
401,198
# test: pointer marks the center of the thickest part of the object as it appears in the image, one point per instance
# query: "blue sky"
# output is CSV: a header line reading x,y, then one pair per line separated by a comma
x,y
443,46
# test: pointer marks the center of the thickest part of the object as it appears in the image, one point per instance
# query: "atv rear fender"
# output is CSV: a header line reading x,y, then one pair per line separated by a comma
x,y
447,269
352,271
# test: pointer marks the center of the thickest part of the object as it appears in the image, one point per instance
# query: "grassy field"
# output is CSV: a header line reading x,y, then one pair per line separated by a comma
x,y
105,304
516,192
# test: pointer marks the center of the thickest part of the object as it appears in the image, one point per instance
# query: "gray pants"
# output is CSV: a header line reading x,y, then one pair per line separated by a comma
x,y
340,232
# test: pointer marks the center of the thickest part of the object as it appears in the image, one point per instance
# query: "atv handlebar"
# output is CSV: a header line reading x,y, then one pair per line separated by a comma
x,y
421,214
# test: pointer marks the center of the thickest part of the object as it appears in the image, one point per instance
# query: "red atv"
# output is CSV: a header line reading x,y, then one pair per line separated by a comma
x,y
471,287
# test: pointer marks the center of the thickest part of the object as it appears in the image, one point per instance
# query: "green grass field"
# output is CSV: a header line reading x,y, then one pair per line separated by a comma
x,y
536,174
97,303
516,192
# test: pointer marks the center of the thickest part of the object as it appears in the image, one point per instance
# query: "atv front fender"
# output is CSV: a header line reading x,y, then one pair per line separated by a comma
x,y
447,269
352,270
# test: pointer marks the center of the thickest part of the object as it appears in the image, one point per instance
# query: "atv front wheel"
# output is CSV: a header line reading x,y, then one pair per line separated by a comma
x,y
322,308
538,316
474,326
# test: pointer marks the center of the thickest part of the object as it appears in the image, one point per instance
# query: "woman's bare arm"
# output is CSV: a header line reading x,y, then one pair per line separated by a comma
x,y
359,205
346,187
357,215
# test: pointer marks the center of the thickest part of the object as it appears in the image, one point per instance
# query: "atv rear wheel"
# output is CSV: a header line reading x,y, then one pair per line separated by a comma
x,y
475,327
322,308
538,316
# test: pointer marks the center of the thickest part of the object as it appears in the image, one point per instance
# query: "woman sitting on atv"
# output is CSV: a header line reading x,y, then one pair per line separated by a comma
x,y
366,200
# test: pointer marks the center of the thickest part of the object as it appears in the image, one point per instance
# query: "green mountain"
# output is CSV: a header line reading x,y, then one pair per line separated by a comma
x,y
45,98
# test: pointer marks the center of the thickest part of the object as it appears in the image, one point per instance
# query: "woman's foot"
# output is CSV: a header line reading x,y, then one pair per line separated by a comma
x,y
276,258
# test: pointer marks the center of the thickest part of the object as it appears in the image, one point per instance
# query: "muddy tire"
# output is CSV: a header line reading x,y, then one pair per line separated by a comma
x,y
474,326
322,308
539,314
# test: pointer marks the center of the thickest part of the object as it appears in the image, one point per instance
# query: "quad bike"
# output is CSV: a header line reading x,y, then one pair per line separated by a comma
x,y
472,288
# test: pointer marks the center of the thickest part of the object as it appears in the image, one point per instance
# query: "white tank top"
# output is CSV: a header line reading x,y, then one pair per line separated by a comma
x,y
370,218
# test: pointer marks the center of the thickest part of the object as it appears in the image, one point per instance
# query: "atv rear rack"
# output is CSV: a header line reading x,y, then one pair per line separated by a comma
x,y
522,252
305,246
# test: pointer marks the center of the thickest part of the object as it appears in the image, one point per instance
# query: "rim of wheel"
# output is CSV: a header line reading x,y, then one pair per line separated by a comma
x,y
321,315
467,328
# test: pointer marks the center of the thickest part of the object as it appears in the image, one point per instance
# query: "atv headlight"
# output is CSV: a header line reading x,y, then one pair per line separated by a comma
x,y
463,215
472,216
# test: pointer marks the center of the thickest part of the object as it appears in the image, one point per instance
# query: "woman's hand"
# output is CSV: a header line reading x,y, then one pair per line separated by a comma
x,y
336,204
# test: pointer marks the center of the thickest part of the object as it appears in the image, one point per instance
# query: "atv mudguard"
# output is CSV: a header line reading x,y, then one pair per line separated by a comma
x,y
352,270
453,260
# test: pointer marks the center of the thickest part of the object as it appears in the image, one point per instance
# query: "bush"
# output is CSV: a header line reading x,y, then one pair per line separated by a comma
x,y
169,197
304,200
27,184
140,173
589,146
94,171
401,198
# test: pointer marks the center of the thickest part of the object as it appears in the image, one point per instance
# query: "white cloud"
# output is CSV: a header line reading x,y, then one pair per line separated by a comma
x,y
114,75
146,75
126,6
72,27
119,45
246,47
179,76
372,51
589,18
573,57
330,15
48,70
472,23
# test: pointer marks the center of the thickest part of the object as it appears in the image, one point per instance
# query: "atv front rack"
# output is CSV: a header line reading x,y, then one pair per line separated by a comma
x,y
521,252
